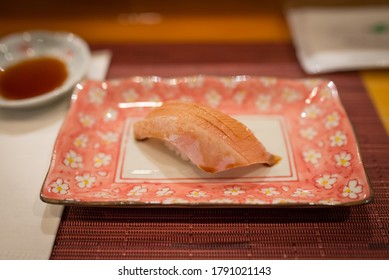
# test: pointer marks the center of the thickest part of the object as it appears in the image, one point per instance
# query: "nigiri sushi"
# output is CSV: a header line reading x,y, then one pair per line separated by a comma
x,y
210,139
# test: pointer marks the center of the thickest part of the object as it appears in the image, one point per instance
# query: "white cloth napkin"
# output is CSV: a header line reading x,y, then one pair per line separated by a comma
x,y
331,39
27,225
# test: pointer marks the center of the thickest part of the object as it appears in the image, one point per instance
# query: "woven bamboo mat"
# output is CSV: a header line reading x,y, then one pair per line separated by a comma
x,y
360,232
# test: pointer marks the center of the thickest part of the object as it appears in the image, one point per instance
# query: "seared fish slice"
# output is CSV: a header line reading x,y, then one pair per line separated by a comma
x,y
212,140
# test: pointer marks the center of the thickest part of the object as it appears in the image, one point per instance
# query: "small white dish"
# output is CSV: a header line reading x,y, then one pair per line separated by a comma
x,y
68,47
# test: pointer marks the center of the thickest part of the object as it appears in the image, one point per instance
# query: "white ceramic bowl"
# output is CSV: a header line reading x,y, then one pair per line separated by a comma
x,y
68,47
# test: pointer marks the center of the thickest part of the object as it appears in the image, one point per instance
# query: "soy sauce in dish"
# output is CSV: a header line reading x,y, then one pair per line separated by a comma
x,y
32,77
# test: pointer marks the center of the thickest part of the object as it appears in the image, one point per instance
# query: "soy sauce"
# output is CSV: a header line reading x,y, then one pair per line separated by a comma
x,y
32,77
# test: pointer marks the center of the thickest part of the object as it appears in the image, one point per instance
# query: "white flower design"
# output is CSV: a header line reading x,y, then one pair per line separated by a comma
x,y
59,186
222,200
72,159
110,115
352,189
137,191
213,98
86,120
338,139
96,95
326,181
253,200
239,97
228,82
308,133
291,95
80,141
164,191
197,194
311,112
343,159
285,188
312,156
233,191
269,191
195,82
263,101
173,200
109,137
325,93
133,199
130,95
332,120
148,82
302,193
85,181
101,159
283,201
268,81
102,195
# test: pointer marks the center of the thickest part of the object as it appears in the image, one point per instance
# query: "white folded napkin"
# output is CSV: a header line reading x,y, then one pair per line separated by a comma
x,y
27,225
331,39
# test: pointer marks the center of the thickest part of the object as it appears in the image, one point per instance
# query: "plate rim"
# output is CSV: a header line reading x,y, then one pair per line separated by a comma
x,y
123,203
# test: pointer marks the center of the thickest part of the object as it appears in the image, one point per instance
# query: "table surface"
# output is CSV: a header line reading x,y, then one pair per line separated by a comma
x,y
152,39
151,21
326,233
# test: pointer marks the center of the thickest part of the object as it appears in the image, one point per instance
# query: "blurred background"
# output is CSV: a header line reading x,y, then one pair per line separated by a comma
x,y
104,22
158,21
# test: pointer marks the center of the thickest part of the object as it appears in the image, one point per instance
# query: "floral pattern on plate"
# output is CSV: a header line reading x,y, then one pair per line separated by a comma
x,y
321,153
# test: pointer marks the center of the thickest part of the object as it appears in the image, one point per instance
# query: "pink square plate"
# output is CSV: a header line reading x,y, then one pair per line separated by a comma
x,y
97,162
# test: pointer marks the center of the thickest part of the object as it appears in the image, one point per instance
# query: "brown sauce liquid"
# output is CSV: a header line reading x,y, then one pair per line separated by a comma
x,y
32,77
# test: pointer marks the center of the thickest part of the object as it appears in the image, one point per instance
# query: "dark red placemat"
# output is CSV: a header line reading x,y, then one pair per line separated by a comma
x,y
360,232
